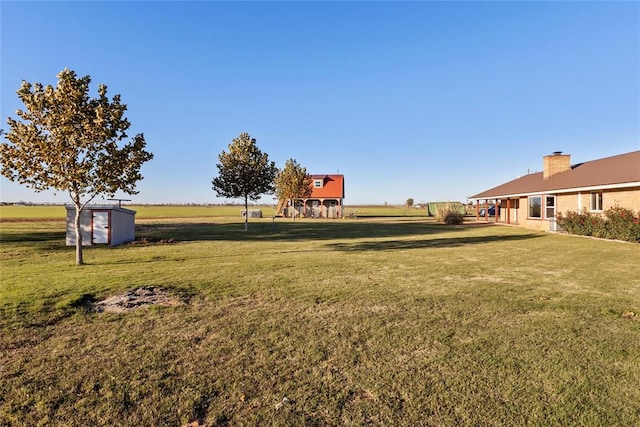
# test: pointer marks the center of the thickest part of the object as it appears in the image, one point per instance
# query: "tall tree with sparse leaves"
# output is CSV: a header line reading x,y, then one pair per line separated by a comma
x,y
66,141
293,183
244,172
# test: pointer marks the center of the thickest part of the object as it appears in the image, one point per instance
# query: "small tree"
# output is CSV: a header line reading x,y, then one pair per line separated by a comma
x,y
66,141
245,172
293,183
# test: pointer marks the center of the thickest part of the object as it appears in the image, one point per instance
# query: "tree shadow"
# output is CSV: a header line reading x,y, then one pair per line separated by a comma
x,y
33,236
312,231
388,245
292,231
83,301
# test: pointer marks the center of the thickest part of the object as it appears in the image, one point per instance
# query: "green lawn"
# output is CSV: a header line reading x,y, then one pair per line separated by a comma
x,y
382,321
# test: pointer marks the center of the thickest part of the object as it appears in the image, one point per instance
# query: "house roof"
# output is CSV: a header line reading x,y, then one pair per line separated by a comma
x,y
611,172
332,187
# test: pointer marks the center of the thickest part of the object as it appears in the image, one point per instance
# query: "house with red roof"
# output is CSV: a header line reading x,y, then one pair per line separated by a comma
x,y
327,194
325,201
534,200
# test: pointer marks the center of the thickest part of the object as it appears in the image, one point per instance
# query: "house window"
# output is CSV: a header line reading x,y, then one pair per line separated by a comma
x,y
596,201
550,202
535,207
317,183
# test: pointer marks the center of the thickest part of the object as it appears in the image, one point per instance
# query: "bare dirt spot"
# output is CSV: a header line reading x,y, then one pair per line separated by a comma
x,y
142,297
150,240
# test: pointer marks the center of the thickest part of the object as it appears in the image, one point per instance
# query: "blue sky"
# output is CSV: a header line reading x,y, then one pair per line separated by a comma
x,y
424,100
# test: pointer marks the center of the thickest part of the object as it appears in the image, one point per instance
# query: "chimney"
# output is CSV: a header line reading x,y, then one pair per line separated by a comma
x,y
555,163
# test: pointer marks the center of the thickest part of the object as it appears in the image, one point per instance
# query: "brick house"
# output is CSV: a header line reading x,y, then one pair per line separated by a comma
x,y
533,200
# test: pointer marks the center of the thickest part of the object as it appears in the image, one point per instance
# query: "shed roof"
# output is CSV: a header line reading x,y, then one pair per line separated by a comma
x,y
618,171
89,208
332,187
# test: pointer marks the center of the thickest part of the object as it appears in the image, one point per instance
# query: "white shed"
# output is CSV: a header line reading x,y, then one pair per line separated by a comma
x,y
109,225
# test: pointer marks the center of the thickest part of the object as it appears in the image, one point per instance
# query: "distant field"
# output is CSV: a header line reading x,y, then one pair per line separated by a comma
x,y
181,211
378,321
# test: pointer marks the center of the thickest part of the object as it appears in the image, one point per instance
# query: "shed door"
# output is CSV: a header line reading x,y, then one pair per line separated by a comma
x,y
100,227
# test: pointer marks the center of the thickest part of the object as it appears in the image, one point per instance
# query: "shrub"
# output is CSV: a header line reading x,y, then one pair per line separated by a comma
x,y
449,214
453,218
615,223
623,224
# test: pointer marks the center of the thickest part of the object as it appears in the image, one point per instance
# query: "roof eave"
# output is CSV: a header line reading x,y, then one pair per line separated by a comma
x,y
558,191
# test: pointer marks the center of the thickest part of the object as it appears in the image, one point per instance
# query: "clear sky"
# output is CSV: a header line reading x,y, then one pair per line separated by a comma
x,y
425,100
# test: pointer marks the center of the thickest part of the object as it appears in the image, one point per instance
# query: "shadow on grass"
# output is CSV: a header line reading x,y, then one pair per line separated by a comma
x,y
83,301
296,231
292,231
452,242
33,236
338,230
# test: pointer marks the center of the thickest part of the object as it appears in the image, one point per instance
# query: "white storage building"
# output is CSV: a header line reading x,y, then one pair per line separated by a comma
x,y
108,225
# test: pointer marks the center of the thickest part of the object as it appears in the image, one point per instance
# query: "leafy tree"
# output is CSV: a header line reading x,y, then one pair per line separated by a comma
x,y
293,183
67,141
245,172
409,202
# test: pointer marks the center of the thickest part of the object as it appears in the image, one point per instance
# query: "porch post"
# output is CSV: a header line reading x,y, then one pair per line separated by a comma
x,y
508,211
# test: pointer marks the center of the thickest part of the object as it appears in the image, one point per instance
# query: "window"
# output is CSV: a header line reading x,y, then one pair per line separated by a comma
x,y
317,183
596,201
550,202
535,207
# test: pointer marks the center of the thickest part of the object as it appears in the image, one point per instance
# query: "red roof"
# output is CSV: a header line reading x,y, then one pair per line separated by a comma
x,y
618,171
332,187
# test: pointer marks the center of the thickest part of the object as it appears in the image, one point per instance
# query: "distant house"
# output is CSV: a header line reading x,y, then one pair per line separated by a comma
x,y
326,200
327,194
534,200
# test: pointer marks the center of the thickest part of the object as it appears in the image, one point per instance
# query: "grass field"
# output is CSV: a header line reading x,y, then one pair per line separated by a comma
x,y
382,321
180,211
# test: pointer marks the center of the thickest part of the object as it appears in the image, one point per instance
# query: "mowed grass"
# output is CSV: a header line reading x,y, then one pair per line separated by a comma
x,y
381,321
39,212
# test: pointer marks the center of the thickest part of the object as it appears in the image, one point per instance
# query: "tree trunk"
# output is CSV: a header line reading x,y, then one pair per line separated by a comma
x,y
246,213
79,259
293,210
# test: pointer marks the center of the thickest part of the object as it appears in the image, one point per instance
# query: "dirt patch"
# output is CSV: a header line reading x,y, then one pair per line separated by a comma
x,y
150,240
142,297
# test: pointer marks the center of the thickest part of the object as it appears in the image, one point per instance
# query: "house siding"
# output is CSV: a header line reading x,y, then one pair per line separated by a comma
x,y
627,199
578,201
541,224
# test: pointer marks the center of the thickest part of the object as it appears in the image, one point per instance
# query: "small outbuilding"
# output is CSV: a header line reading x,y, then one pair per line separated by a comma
x,y
253,213
102,225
